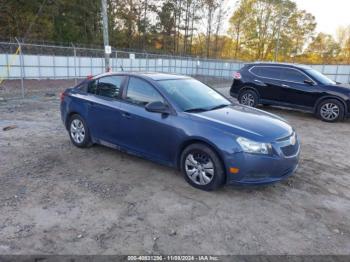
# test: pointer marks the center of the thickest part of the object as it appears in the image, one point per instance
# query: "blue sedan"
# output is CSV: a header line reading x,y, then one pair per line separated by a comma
x,y
181,122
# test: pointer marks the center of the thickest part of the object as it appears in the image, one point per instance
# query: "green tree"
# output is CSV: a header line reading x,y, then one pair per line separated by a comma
x,y
210,7
343,37
256,24
166,24
238,22
323,49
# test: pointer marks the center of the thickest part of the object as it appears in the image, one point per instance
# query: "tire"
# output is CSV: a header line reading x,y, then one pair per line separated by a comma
x,y
197,159
248,98
331,111
78,132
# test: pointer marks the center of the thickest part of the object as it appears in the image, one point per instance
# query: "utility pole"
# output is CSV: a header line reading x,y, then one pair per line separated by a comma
x,y
105,34
279,31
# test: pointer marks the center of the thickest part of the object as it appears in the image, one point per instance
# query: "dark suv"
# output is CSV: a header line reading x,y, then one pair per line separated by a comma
x,y
293,86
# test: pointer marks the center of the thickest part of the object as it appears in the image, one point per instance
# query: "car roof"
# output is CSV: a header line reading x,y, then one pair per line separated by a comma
x,y
298,66
150,75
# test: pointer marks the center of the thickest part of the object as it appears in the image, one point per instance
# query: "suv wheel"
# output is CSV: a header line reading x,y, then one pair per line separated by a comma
x,y
331,110
202,167
78,131
248,98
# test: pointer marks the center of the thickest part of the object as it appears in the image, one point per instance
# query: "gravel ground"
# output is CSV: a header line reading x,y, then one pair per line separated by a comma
x,y
58,199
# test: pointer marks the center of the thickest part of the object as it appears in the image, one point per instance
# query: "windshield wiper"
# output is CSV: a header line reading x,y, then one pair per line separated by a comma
x,y
202,109
196,110
219,106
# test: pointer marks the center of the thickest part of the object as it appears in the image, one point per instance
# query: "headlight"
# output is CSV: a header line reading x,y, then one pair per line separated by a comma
x,y
253,147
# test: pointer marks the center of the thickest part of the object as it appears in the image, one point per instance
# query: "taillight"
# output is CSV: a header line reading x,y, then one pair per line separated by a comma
x,y
237,75
62,96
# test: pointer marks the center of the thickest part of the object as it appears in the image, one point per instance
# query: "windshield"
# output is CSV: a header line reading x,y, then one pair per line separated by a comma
x,y
320,77
192,95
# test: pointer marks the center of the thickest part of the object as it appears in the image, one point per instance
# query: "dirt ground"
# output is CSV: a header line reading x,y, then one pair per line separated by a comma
x,y
58,199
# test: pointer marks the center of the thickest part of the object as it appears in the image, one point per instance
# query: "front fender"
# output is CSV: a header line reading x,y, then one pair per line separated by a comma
x,y
342,98
222,143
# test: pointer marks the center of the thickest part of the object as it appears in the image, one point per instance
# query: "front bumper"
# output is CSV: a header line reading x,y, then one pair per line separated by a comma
x,y
262,169
234,95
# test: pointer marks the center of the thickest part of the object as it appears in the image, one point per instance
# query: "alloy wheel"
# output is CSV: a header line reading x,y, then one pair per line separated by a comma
x,y
199,168
330,111
77,131
247,99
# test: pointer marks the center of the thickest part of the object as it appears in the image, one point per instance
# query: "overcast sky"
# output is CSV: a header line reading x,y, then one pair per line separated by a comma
x,y
330,14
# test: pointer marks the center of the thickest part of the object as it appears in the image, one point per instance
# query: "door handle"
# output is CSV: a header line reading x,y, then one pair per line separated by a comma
x,y
126,115
286,86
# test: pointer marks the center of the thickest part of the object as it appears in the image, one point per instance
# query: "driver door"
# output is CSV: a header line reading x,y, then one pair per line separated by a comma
x,y
146,133
295,91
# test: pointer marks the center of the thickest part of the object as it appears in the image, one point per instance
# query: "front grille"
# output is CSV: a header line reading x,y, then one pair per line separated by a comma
x,y
290,150
284,139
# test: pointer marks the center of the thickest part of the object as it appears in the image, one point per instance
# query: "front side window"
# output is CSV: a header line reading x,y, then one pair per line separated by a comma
x,y
293,76
109,86
141,93
320,77
267,72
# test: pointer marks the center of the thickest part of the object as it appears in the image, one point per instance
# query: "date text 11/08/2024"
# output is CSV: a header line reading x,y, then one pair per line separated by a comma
x,y
173,258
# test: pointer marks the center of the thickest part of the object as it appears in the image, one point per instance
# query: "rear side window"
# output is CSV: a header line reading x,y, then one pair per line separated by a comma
x,y
267,72
92,87
293,76
109,86
141,93
82,86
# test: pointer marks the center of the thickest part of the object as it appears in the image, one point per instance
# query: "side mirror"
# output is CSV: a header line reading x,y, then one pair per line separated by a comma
x,y
309,82
157,107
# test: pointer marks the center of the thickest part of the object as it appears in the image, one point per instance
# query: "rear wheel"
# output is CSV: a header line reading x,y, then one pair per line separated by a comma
x,y
248,98
202,167
331,110
78,131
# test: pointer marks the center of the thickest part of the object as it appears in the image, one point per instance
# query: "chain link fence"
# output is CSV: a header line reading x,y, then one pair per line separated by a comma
x,y
27,68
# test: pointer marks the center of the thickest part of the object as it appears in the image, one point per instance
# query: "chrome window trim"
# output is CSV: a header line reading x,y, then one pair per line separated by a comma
x,y
281,67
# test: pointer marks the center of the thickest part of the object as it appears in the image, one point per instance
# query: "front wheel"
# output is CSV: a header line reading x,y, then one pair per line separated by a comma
x,y
202,167
248,98
330,110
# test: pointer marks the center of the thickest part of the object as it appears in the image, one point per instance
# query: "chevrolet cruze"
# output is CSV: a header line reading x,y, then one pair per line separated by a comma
x,y
181,122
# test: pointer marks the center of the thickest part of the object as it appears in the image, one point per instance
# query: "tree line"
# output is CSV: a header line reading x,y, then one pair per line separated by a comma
x,y
247,30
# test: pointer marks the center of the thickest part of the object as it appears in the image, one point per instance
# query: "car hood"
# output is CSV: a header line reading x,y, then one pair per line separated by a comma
x,y
342,87
246,122
346,86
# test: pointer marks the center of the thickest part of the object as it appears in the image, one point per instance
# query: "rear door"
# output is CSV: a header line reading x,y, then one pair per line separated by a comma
x,y
267,81
295,91
105,108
